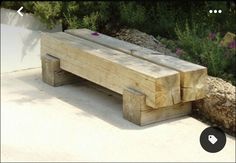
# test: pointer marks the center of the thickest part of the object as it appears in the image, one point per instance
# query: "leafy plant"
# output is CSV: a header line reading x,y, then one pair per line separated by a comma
x,y
132,14
206,50
156,18
48,12
90,21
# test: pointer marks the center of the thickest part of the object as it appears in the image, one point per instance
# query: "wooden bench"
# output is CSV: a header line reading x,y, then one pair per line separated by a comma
x,y
154,88
193,76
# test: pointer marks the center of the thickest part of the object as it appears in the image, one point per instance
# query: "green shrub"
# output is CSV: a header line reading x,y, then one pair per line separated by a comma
x,y
156,18
132,14
90,21
91,15
48,12
190,41
206,50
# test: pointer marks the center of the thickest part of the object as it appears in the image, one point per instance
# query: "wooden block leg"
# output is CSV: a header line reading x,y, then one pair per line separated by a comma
x,y
136,110
52,74
133,103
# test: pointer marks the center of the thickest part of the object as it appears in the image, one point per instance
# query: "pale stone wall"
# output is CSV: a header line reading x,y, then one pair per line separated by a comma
x,y
20,40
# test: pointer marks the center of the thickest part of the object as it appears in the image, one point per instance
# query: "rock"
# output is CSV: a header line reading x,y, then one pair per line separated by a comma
x,y
219,105
142,39
227,39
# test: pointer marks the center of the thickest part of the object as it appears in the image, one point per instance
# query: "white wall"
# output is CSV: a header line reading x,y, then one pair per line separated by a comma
x,y
20,40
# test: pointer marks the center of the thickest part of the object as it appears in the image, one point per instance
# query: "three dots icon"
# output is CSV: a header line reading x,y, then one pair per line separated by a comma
x,y
215,11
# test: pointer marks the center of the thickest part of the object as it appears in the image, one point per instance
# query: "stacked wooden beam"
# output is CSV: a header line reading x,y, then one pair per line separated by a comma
x,y
154,87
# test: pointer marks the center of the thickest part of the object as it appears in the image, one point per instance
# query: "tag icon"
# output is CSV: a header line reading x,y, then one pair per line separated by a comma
x,y
212,139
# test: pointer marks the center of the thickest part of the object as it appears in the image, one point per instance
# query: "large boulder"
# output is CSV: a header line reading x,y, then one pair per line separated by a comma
x,y
219,105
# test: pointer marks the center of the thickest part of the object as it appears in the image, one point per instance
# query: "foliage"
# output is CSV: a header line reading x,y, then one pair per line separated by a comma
x,y
152,17
132,14
92,15
203,49
48,12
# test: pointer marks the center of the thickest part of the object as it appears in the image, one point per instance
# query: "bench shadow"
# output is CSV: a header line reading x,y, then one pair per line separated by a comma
x,y
91,98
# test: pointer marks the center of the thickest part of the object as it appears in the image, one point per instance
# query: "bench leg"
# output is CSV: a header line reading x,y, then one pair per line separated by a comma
x,y
52,74
136,110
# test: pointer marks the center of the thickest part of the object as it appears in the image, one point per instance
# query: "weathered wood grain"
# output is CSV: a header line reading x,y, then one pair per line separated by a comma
x,y
192,76
53,75
113,69
136,110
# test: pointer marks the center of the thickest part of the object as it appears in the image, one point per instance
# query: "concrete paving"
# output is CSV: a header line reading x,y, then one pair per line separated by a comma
x,y
80,123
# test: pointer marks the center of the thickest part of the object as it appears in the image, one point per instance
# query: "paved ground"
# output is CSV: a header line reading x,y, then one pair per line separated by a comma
x,y
80,123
